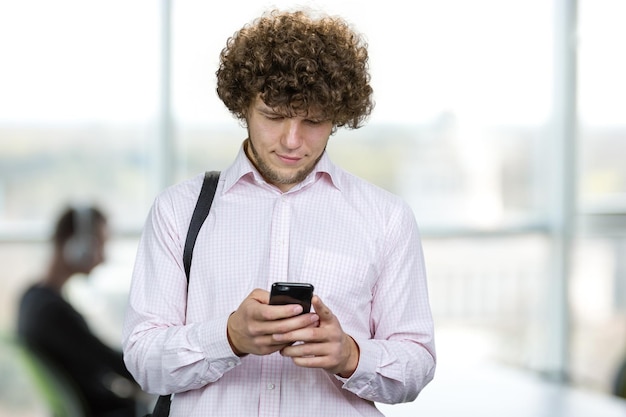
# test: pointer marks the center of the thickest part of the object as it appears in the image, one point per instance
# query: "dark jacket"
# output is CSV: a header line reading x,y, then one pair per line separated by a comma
x,y
51,328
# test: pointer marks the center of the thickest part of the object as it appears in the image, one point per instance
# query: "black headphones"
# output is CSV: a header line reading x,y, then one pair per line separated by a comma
x,y
79,248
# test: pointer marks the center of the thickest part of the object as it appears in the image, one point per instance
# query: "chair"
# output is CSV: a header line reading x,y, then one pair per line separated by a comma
x,y
59,394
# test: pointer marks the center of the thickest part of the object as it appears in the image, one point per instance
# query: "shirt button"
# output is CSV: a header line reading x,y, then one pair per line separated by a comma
x,y
231,364
271,386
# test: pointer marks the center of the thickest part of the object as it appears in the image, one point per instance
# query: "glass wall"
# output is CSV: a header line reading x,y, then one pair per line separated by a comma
x,y
79,95
598,282
112,101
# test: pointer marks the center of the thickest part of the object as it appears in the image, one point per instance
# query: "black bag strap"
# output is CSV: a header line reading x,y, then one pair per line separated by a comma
x,y
200,213
162,407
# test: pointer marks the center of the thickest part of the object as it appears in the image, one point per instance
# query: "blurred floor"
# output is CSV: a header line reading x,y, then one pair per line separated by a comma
x,y
489,390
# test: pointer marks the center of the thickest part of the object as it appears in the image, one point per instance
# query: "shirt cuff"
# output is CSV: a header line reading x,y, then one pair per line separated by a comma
x,y
218,354
365,372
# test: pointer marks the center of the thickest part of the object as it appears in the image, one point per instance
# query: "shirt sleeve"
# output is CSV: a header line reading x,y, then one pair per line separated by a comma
x,y
398,361
163,353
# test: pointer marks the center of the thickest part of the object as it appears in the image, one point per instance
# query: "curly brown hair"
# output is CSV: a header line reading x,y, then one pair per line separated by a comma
x,y
297,63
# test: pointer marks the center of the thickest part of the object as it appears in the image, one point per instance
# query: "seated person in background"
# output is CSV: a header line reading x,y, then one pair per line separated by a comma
x,y
53,330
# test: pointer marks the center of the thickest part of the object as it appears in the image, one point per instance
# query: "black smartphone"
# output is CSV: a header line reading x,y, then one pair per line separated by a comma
x,y
292,293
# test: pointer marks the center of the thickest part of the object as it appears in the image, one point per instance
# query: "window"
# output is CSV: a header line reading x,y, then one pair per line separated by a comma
x,y
78,90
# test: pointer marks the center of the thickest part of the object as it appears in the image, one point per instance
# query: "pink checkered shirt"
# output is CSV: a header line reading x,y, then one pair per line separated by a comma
x,y
356,243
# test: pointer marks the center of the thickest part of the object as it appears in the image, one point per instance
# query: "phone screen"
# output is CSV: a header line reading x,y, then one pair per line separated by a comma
x,y
292,293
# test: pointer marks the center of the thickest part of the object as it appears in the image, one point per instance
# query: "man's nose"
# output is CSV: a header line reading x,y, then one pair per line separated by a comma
x,y
292,137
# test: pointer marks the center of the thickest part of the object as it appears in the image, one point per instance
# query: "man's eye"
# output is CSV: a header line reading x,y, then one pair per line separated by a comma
x,y
274,117
313,122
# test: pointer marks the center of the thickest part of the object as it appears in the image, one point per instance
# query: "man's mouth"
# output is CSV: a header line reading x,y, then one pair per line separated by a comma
x,y
289,160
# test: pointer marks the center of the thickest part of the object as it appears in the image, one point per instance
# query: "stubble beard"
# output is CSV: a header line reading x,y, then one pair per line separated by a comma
x,y
274,177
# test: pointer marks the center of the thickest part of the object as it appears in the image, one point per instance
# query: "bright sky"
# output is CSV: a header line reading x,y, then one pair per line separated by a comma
x,y
71,60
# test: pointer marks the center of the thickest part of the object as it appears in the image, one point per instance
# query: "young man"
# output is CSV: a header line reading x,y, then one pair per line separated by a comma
x,y
284,212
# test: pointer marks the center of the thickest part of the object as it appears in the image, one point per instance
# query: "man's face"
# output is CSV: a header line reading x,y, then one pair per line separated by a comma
x,y
285,149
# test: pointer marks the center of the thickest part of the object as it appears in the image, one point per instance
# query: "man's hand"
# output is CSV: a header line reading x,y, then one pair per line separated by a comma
x,y
251,326
325,346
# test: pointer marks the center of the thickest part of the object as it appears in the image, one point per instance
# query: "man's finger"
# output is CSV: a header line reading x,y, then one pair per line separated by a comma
x,y
320,308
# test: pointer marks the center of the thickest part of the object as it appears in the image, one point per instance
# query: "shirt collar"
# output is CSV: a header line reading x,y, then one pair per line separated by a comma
x,y
243,170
